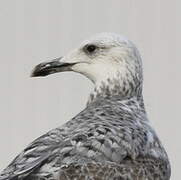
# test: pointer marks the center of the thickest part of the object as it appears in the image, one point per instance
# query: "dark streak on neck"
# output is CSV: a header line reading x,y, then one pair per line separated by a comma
x,y
116,87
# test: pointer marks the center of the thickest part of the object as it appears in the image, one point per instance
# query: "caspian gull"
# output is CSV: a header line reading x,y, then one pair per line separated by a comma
x,y
112,137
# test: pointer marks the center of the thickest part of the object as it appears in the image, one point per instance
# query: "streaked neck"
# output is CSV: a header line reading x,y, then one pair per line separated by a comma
x,y
117,87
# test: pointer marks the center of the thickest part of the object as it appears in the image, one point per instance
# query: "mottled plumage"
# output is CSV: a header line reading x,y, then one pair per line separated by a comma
x,y
112,137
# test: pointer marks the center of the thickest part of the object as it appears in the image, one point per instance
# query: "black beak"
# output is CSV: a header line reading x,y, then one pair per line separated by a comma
x,y
51,67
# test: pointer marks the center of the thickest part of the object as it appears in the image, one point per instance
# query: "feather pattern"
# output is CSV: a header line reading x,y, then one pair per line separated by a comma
x,y
111,139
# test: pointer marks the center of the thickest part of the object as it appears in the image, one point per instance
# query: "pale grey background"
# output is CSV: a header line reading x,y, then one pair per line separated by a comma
x,y
38,30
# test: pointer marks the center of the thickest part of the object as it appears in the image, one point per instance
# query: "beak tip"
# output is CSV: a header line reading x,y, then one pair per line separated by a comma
x,y
36,72
47,68
32,74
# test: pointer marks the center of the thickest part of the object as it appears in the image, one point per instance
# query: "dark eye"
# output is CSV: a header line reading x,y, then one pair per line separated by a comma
x,y
91,48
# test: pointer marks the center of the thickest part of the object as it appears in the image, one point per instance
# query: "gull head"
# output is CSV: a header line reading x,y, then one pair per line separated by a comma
x,y
107,59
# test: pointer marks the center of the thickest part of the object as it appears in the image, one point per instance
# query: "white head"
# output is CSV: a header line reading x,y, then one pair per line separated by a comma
x,y
110,61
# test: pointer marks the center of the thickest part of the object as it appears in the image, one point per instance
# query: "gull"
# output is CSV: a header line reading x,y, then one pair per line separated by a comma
x,y
112,138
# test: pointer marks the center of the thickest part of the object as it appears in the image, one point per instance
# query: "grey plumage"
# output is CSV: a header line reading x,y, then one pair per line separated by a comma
x,y
110,139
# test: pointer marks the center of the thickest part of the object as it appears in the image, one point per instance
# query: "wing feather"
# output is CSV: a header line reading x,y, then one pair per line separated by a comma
x,y
33,156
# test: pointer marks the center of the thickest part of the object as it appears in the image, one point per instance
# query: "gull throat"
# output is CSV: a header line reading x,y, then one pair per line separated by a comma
x,y
119,86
